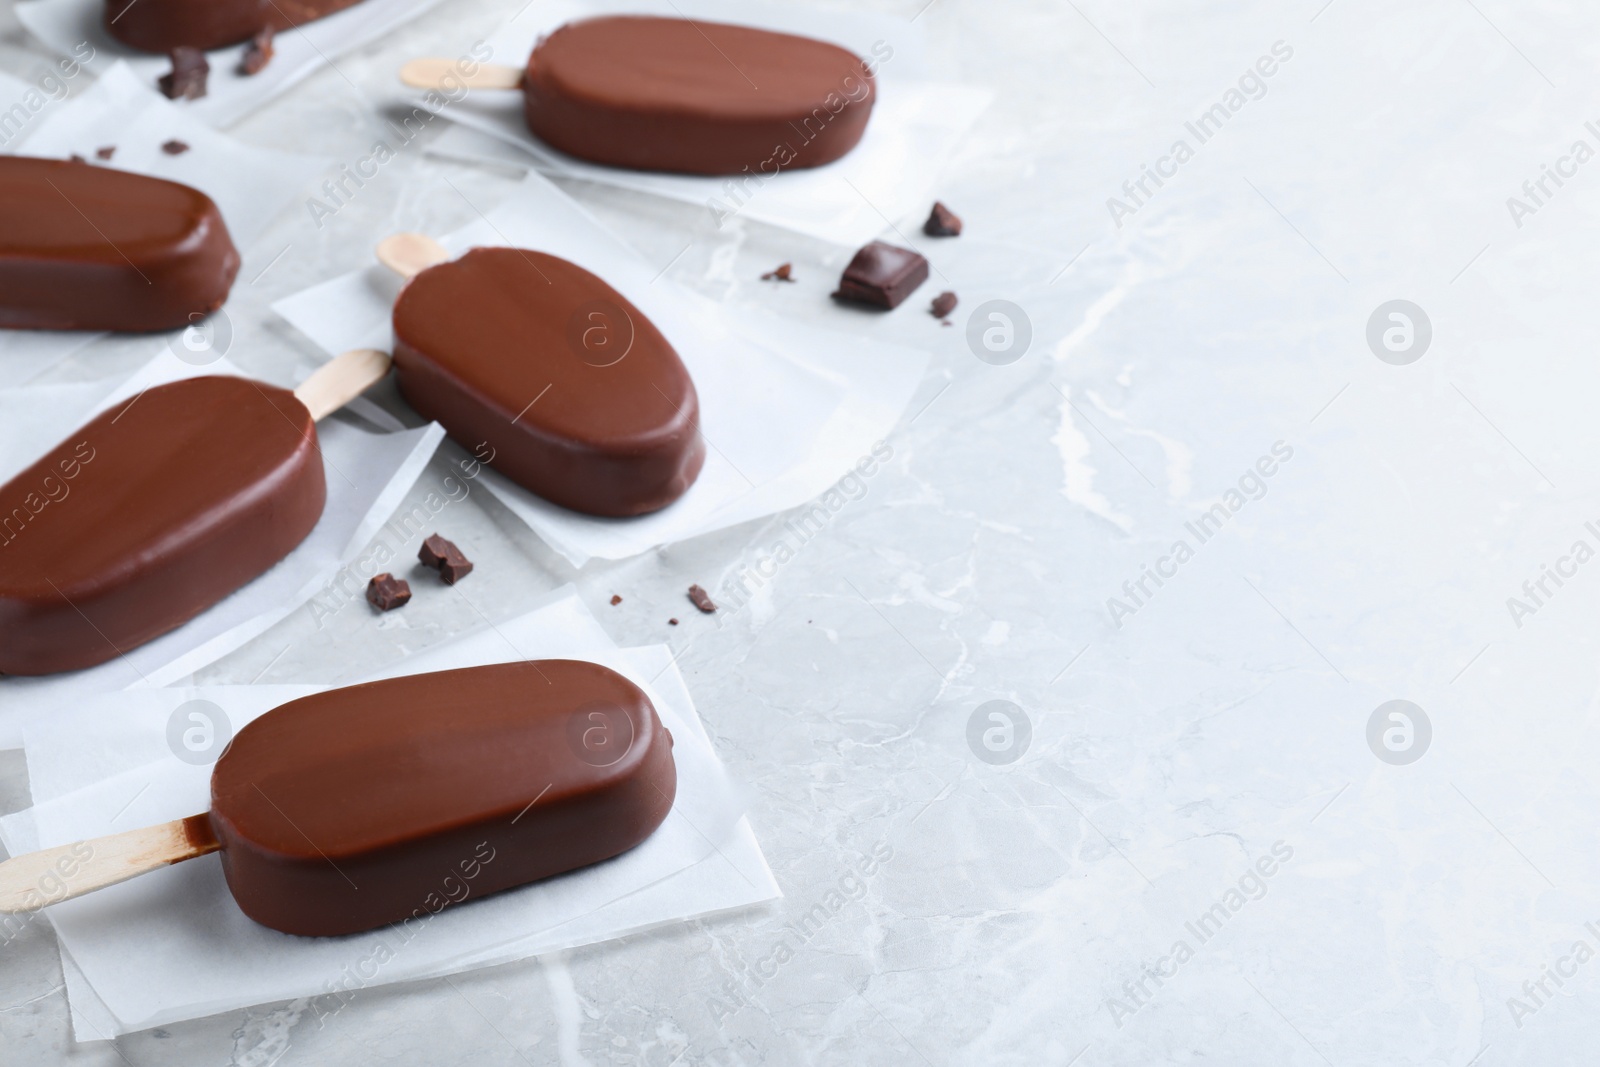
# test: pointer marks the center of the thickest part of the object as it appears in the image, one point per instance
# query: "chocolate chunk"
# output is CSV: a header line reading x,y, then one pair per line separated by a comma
x,y
784,272
444,557
188,78
259,54
943,304
174,148
672,622
882,276
702,600
942,222
615,600
386,592
105,153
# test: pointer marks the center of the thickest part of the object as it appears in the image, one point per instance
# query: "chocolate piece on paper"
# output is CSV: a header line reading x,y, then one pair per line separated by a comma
x,y
783,272
386,592
882,276
105,153
188,78
259,54
701,599
943,304
444,557
672,622
174,148
942,222
615,600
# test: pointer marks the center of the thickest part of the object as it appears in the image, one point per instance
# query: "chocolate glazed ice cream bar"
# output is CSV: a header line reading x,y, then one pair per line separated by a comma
x,y
681,95
91,248
569,389
162,25
387,802
159,508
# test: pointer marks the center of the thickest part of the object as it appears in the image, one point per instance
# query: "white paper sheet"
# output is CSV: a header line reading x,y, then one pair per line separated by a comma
x,y
250,185
916,123
786,408
368,475
172,945
64,25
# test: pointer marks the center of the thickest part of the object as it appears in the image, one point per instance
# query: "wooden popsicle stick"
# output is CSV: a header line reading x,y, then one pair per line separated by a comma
x,y
436,73
38,879
337,383
409,254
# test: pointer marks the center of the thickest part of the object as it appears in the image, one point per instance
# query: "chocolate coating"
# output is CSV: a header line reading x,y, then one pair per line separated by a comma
x,y
91,248
578,395
377,803
162,25
695,97
151,513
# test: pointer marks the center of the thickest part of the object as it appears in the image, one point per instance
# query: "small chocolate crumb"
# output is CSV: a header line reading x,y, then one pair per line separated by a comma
x,y
174,148
615,600
188,78
75,158
259,54
672,622
943,304
444,557
784,272
386,592
702,600
942,222
105,153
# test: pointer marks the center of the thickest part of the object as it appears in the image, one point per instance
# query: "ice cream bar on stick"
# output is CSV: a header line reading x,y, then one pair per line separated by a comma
x,y
162,25
680,95
386,802
86,247
160,507
548,373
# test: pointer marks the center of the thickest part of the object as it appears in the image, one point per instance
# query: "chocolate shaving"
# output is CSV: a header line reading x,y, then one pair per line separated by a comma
x,y
444,557
386,592
701,599
942,222
943,304
783,272
672,622
105,153
259,54
188,78
174,148
615,600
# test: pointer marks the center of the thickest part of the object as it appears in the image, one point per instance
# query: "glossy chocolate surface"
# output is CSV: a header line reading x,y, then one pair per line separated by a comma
x,y
695,97
86,247
389,801
162,25
150,514
578,397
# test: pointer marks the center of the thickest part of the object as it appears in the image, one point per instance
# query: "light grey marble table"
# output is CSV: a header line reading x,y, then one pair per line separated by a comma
x,y
1198,855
